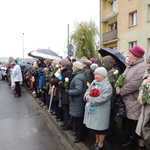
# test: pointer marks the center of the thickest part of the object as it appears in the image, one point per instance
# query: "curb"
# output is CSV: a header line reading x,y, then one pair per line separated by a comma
x,y
66,136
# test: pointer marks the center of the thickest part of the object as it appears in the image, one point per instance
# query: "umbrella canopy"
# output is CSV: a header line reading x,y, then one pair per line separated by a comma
x,y
28,66
20,62
120,58
44,53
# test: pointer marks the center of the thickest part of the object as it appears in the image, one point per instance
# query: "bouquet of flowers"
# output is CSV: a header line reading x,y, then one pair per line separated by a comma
x,y
114,79
47,73
87,84
66,83
54,70
95,92
119,82
145,92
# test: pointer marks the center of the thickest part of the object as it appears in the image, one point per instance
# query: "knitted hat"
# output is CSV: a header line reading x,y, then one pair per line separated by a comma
x,y
94,66
92,60
102,71
148,57
64,62
78,65
137,51
86,61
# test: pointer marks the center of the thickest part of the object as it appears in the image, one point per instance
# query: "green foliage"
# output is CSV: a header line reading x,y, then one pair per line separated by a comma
x,y
10,59
145,93
119,82
84,39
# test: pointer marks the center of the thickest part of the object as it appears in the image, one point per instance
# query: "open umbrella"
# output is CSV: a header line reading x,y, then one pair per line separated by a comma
x,y
28,66
120,58
44,53
20,63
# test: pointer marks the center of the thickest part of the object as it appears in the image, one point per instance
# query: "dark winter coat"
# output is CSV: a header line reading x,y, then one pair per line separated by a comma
x,y
88,74
76,94
65,73
40,76
108,64
54,82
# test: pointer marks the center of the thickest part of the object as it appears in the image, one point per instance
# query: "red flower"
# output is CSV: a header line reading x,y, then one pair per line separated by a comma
x,y
94,92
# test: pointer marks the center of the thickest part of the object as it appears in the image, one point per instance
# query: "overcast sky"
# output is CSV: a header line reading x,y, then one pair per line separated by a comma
x,y
43,22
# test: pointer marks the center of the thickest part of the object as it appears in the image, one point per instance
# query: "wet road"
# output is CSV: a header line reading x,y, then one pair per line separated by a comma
x,y
21,126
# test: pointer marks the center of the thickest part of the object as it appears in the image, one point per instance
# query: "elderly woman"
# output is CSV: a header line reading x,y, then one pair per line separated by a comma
x,y
77,104
145,111
97,109
129,92
66,73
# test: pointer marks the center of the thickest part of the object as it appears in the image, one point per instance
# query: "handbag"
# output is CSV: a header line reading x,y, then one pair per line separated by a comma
x,y
119,107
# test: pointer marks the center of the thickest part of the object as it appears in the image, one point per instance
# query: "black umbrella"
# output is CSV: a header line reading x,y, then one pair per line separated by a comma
x,y
120,58
44,53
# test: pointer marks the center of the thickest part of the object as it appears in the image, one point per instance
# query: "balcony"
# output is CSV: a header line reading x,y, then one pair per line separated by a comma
x,y
112,35
110,13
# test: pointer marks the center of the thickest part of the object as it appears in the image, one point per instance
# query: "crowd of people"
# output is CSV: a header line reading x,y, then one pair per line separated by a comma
x,y
82,95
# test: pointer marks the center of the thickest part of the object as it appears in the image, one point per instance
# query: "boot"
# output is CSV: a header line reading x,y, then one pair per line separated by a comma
x,y
141,148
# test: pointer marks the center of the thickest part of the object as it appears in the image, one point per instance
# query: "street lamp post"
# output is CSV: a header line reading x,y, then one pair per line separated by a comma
x,y
23,46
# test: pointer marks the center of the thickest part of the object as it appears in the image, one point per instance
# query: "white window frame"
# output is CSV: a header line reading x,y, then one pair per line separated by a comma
x,y
132,44
133,18
113,6
113,26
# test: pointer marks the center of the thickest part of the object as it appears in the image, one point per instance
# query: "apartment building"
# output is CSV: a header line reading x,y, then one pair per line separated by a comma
x,y
125,23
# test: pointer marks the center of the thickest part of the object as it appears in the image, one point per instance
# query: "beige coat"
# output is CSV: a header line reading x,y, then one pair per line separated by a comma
x,y
130,89
145,112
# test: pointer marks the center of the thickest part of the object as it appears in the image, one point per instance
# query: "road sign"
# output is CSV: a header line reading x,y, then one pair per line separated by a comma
x,y
70,53
70,47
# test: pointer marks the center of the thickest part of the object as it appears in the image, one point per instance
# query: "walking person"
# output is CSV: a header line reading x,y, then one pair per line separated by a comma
x,y
97,108
129,92
17,78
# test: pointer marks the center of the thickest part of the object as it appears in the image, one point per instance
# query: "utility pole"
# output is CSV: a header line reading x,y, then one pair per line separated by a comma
x,y
23,46
68,34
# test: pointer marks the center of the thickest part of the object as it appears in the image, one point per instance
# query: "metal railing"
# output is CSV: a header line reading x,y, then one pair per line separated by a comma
x,y
109,35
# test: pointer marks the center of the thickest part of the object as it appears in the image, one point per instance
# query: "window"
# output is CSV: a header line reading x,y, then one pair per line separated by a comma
x,y
113,26
115,48
113,6
148,12
132,44
148,44
133,18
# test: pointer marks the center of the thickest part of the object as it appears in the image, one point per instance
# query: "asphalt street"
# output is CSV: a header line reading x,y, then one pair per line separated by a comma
x,y
22,127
